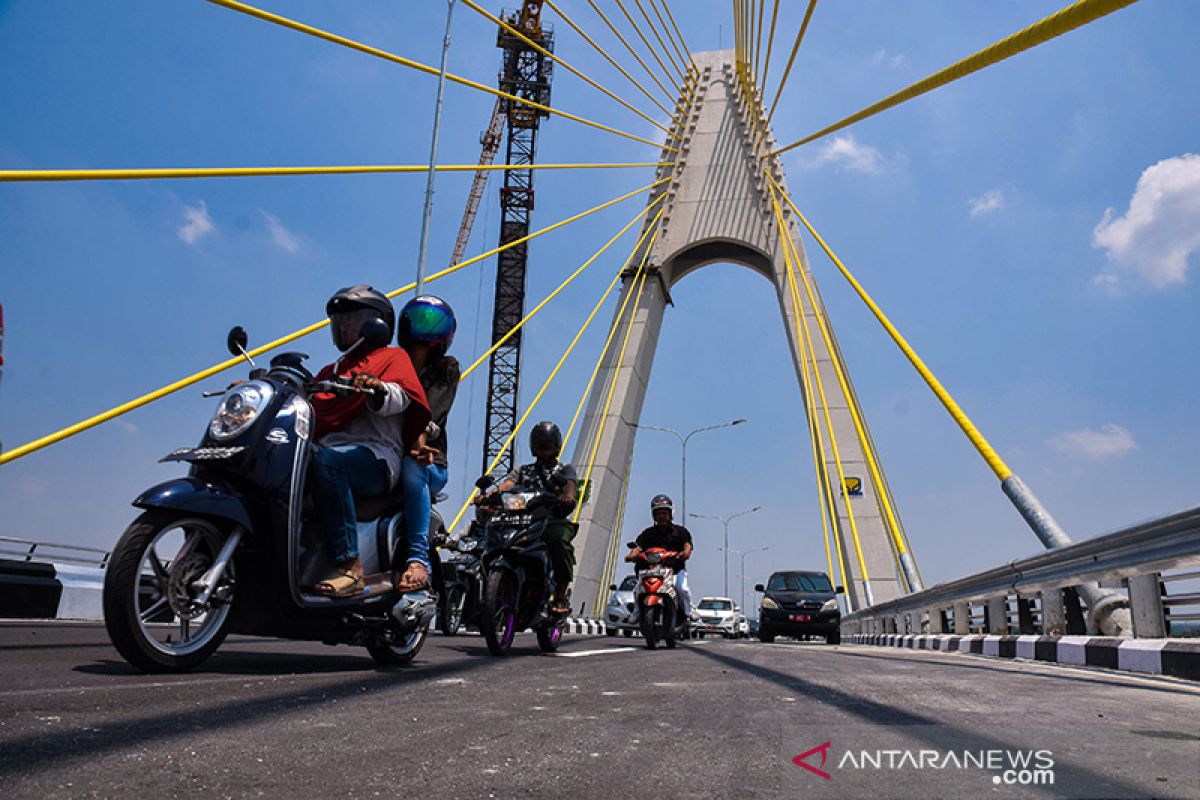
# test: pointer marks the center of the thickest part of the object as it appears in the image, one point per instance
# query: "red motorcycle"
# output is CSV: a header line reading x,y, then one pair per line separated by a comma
x,y
660,614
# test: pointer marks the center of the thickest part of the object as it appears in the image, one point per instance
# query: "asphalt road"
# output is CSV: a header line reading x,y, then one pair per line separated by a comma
x,y
604,719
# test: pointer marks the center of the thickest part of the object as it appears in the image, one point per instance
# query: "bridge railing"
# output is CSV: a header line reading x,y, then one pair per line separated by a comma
x,y
1036,596
26,550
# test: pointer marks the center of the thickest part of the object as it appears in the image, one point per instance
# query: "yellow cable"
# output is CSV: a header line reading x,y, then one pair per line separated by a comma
x,y
632,52
678,32
524,417
981,444
762,7
512,332
824,487
407,62
649,48
837,458
683,73
603,421
1053,26
28,175
770,44
610,555
91,422
681,51
812,4
471,4
616,325
840,370
611,60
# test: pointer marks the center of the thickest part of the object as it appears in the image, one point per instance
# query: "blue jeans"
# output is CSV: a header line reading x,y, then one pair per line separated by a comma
x,y
419,482
335,476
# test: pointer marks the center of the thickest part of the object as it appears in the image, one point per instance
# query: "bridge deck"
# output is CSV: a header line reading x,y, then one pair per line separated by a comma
x,y
711,719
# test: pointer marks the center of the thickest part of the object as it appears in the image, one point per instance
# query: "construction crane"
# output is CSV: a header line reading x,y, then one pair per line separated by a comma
x,y
490,140
526,72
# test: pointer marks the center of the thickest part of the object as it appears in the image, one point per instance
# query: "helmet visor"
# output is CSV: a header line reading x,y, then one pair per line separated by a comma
x,y
345,326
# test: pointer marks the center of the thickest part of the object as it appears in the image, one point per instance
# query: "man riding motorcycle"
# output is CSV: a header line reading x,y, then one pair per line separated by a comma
x,y
362,439
669,536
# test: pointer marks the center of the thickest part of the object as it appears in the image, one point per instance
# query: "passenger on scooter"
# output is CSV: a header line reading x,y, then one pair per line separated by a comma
x,y
361,439
548,475
669,536
425,330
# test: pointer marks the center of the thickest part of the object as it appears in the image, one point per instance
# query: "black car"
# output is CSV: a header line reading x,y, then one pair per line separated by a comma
x,y
798,604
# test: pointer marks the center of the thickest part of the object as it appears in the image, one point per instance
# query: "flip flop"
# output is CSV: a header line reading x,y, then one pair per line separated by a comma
x,y
409,582
343,583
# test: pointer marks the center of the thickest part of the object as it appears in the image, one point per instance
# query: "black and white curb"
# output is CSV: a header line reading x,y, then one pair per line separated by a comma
x,y
39,590
587,627
1179,658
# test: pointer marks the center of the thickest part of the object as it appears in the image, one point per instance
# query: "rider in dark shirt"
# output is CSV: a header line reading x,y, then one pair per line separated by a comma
x,y
669,536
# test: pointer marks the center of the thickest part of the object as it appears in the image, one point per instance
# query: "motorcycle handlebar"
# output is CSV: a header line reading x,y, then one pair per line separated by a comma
x,y
340,386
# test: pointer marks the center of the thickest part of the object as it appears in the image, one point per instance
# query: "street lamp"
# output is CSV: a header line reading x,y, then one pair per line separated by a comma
x,y
725,521
748,552
683,440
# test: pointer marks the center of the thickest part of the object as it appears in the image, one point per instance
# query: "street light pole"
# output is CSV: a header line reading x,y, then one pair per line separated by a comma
x,y
748,552
725,521
683,443
423,246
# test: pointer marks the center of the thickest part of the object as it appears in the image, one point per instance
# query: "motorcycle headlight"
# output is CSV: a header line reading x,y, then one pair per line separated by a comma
x,y
830,605
513,502
769,603
239,408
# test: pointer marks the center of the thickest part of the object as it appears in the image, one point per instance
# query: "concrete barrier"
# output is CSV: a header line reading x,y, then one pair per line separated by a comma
x,y
45,590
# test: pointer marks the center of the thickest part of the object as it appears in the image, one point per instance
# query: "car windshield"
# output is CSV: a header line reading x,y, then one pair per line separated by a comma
x,y
629,584
799,582
716,605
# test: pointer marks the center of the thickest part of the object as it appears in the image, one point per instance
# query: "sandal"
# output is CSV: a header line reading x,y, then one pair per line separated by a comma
x,y
415,578
342,583
561,605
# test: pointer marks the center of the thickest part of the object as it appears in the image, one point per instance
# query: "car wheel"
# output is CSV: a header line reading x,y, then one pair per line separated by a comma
x,y
766,638
833,638
610,631
628,633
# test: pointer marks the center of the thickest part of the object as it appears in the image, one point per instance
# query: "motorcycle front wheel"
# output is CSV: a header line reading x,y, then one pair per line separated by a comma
x,y
150,606
498,615
647,621
450,618
668,622
549,635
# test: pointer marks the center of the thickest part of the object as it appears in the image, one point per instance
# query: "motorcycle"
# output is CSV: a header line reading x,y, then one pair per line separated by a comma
x,y
229,548
462,577
518,577
660,612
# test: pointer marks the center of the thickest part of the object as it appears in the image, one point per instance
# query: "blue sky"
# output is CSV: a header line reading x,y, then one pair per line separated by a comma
x,y
1032,229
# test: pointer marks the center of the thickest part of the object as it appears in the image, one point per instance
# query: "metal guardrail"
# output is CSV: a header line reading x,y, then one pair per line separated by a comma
x,y
27,550
1131,557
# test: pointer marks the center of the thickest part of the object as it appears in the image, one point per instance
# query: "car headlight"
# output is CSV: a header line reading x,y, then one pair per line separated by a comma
x,y
239,408
769,603
830,605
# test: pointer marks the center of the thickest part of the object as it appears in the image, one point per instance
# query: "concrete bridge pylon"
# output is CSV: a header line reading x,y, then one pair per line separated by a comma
x,y
718,208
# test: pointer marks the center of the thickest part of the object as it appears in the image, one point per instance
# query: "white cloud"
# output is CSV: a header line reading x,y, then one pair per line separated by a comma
x,y
128,427
1161,230
281,236
198,224
989,201
1110,440
888,60
847,153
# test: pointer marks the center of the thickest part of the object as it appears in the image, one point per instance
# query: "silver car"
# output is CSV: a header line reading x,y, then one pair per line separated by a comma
x,y
618,614
718,615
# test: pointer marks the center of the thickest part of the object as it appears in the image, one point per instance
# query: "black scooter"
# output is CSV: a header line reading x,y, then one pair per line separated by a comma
x,y
229,548
518,578
462,575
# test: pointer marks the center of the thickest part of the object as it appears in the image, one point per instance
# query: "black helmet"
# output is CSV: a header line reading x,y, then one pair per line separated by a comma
x,y
426,319
662,501
545,434
354,305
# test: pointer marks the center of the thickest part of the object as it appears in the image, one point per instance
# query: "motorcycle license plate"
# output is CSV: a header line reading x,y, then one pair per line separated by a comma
x,y
800,617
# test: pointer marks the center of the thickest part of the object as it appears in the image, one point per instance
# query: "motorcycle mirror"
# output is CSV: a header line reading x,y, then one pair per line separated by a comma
x,y
758,587
612,587
236,342
631,545
375,332
484,482
839,590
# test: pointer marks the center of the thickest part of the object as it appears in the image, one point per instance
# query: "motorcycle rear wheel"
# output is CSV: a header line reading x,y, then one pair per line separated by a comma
x,y
498,615
549,636
148,594
401,651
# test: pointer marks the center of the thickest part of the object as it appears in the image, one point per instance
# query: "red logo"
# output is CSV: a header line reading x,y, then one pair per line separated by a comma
x,y
823,749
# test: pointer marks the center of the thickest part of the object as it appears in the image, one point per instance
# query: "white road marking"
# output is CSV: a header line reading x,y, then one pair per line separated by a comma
x,y
581,653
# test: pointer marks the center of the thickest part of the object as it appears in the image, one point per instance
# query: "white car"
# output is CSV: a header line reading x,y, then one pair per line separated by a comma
x,y
717,615
618,614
